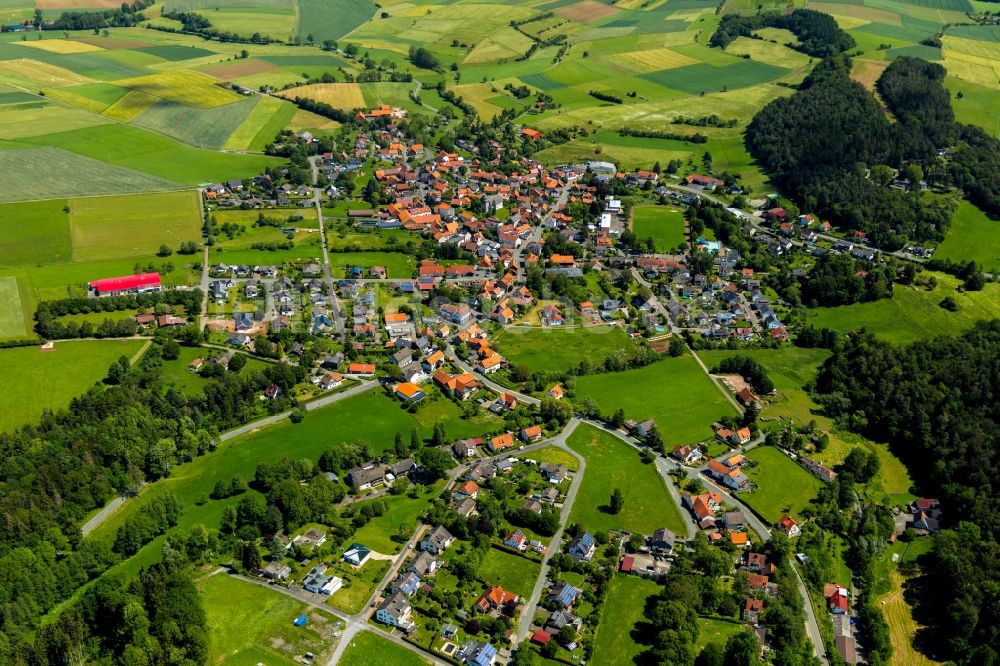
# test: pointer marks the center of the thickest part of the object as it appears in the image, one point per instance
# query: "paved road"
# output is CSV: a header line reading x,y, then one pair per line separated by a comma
x,y
338,314
106,512
528,612
489,382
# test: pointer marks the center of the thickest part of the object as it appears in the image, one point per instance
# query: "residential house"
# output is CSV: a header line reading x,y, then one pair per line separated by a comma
x,y
496,599
501,442
276,571
556,392
531,433
734,520
317,582
366,476
662,540
408,583
464,448
789,526
644,428
312,538
395,612
356,554
554,472
424,564
563,594
752,610
437,541
837,600
516,539
409,392
582,547
478,654
687,454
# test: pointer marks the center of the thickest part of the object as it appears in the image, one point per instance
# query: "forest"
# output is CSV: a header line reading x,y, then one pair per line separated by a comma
x,y
108,440
818,33
935,403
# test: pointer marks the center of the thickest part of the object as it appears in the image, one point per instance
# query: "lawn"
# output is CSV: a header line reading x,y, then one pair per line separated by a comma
x,y
665,225
248,624
511,572
50,379
713,630
558,350
35,232
782,485
555,455
359,584
132,225
397,264
613,464
387,533
618,639
674,392
973,236
369,649
914,313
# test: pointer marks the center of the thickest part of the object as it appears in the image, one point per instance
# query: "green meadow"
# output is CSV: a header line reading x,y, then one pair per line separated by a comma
x,y
665,225
782,486
611,463
369,649
674,392
558,350
623,609
49,379
972,237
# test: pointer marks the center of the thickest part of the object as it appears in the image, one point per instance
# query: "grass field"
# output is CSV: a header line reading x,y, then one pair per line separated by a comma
x,y
914,313
397,265
345,96
268,117
664,224
511,572
675,392
972,236
782,485
35,232
132,225
50,379
712,630
624,607
332,19
370,649
204,128
399,521
40,117
183,87
248,624
14,324
902,627
555,455
613,464
558,350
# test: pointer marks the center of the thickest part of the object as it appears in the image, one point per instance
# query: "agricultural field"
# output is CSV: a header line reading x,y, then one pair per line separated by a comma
x,y
782,485
49,379
346,96
665,225
612,464
914,313
623,609
248,623
369,649
132,226
23,225
674,392
558,350
15,324
511,572
972,237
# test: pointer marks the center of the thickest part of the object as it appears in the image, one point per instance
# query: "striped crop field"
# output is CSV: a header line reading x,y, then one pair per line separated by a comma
x,y
182,86
651,60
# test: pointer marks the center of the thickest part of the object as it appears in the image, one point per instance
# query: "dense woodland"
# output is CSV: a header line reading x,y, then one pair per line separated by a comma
x,y
818,33
935,402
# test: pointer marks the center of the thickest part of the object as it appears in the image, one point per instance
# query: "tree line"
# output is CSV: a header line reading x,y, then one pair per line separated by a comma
x,y
934,402
818,33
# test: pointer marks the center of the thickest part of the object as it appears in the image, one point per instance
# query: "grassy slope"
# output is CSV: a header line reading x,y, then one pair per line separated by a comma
x,y
973,236
782,485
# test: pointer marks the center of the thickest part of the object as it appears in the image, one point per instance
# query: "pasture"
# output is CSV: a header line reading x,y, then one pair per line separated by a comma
x,y
268,117
247,623
35,232
782,485
664,224
972,237
674,392
558,350
203,128
50,379
41,117
617,640
369,649
914,313
611,463
511,572
332,19
132,225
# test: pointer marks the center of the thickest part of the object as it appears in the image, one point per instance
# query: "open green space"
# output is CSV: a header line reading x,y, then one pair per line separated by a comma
x,y
248,624
50,379
914,313
397,264
611,463
624,607
558,350
555,455
674,392
133,225
782,486
12,320
511,572
35,232
716,630
665,225
359,584
387,533
204,128
972,237
369,649
332,19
